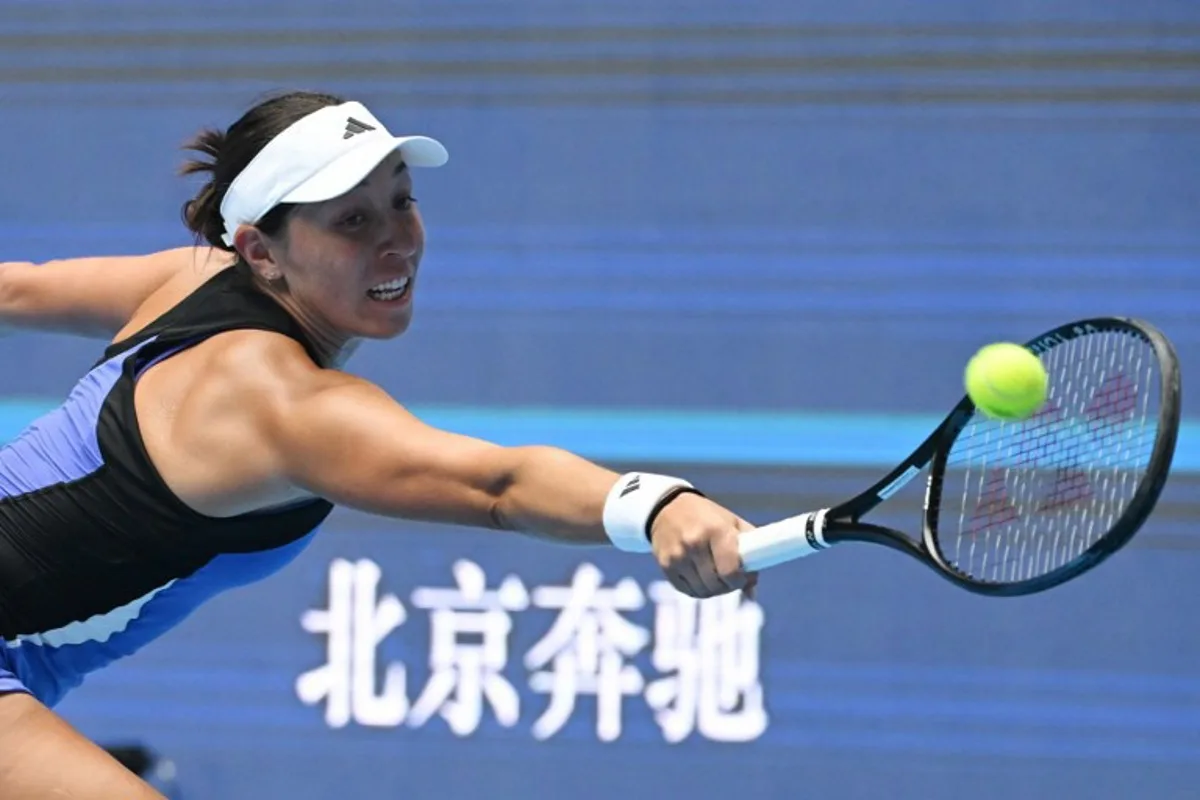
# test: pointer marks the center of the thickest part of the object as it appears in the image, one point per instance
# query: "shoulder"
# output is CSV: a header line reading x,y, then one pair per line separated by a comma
x,y
215,419
271,375
293,414
230,409
263,361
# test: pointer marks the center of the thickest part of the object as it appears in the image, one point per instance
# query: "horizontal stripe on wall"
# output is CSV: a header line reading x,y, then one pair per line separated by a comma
x,y
719,438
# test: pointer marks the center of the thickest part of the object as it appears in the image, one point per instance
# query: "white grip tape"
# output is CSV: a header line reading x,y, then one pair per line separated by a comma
x,y
786,540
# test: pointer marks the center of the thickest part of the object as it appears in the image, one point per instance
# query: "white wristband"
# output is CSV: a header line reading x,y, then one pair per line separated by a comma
x,y
630,504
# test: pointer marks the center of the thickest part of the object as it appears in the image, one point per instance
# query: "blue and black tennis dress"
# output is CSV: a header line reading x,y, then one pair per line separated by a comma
x,y
97,556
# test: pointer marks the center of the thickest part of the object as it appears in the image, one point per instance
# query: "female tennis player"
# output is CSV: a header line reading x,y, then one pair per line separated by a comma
x,y
218,430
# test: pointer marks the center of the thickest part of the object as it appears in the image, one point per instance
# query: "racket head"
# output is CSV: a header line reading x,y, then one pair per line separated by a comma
x,y
1014,508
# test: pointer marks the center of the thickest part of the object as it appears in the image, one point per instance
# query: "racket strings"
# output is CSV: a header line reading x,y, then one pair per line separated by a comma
x,y
1032,496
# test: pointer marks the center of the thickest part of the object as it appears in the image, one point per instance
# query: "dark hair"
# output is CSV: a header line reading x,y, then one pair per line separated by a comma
x,y
227,154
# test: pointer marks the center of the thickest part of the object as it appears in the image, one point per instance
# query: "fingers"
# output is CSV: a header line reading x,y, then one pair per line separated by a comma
x,y
705,564
696,544
751,585
723,564
682,572
713,578
683,577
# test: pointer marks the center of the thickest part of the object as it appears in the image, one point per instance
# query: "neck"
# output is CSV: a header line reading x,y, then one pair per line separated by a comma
x,y
332,348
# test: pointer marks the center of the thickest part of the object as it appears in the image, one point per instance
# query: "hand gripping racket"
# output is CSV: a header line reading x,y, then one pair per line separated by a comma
x,y
1013,508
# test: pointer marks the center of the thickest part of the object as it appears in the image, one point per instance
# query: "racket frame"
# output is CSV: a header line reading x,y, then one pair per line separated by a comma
x,y
843,523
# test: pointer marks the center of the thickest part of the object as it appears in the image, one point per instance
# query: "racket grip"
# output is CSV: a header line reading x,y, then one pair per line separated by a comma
x,y
786,540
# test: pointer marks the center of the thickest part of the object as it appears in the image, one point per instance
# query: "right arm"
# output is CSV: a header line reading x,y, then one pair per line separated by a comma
x,y
344,439
348,441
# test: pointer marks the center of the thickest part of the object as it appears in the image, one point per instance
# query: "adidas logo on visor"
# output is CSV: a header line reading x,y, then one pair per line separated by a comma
x,y
354,127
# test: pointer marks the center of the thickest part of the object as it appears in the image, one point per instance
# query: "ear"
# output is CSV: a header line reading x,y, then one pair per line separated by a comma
x,y
258,251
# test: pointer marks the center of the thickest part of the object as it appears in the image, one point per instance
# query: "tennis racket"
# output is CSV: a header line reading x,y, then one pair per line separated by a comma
x,y
1013,508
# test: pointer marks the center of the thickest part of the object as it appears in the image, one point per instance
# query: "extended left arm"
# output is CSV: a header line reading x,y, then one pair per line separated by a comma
x,y
92,297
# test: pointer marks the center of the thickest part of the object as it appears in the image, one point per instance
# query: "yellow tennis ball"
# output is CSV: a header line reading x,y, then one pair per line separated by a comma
x,y
1006,381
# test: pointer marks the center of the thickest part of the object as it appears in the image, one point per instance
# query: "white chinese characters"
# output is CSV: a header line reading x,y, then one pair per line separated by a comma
x,y
469,650
355,622
695,665
586,651
710,649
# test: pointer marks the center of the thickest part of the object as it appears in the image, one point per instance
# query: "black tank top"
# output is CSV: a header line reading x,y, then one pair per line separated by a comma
x,y
97,555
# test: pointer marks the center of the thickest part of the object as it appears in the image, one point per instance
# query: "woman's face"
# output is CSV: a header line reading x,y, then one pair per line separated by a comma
x,y
350,264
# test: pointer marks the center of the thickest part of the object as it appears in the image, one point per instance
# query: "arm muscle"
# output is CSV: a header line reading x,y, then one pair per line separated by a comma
x,y
348,441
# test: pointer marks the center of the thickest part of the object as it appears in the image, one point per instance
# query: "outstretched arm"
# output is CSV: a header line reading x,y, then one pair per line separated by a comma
x,y
346,440
92,297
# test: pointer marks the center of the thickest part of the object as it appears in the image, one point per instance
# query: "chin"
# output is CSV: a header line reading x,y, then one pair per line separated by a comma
x,y
385,328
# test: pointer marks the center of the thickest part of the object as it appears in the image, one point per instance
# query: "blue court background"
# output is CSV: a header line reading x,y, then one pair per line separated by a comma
x,y
753,244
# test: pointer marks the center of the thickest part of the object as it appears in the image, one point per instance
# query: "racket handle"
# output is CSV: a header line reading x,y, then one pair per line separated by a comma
x,y
786,540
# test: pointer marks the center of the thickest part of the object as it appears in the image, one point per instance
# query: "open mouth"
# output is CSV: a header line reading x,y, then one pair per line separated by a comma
x,y
392,290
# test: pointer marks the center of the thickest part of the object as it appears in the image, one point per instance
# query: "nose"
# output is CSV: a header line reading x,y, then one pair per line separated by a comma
x,y
403,241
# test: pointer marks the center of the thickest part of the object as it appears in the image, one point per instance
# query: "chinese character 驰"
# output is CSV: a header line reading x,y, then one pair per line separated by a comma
x,y
586,651
709,650
469,628
354,623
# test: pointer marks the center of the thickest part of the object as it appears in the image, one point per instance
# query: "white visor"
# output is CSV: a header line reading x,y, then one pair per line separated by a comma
x,y
320,157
